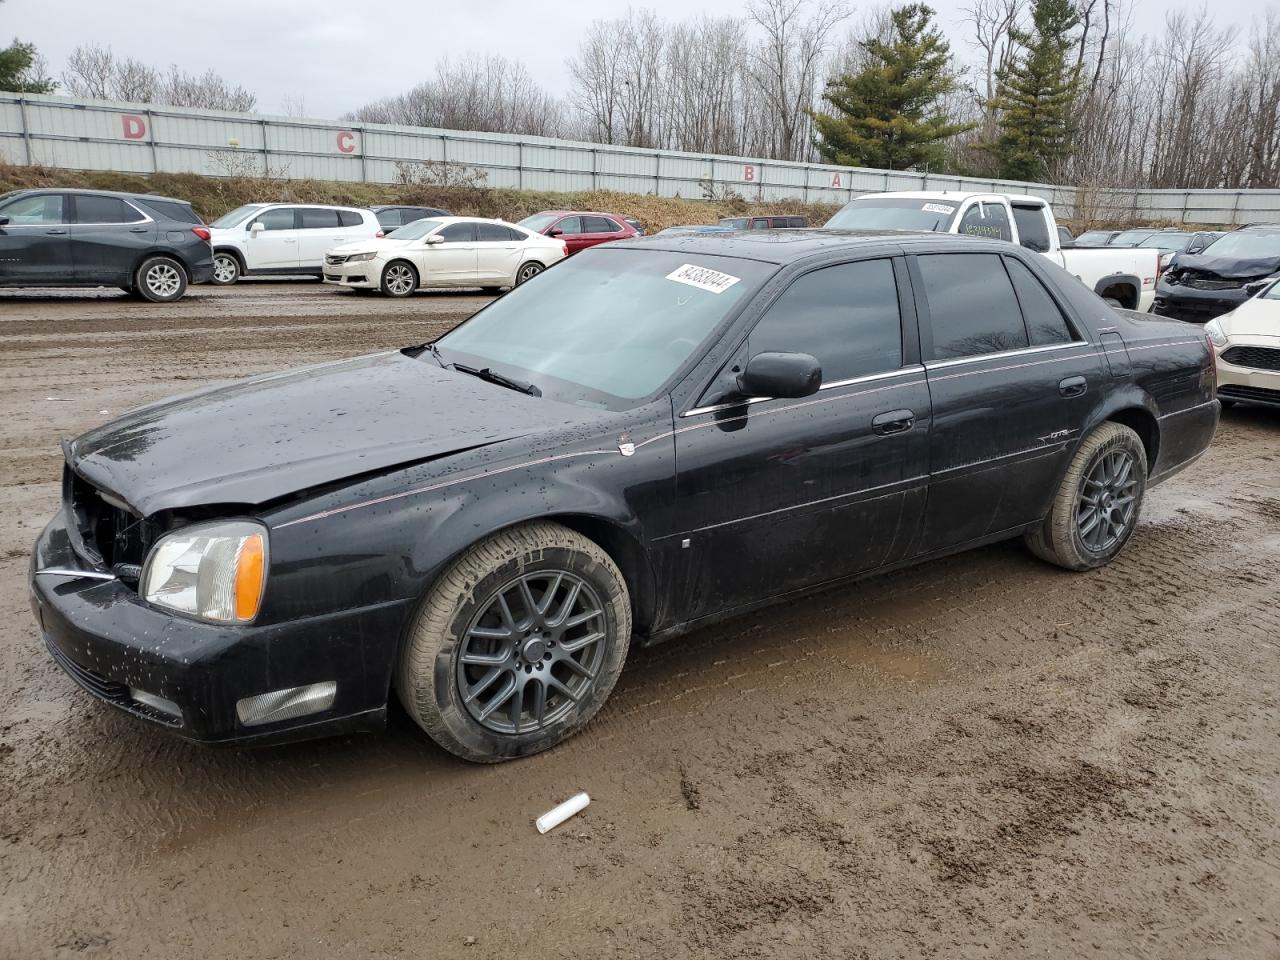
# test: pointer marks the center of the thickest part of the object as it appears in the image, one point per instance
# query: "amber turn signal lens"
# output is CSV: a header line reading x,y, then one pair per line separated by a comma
x,y
249,574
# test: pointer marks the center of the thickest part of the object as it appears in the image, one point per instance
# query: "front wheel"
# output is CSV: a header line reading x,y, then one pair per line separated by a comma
x,y
160,280
1095,509
399,279
528,271
226,268
517,645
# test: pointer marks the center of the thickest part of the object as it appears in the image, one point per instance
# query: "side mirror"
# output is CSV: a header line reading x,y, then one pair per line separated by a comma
x,y
256,228
780,375
555,232
433,240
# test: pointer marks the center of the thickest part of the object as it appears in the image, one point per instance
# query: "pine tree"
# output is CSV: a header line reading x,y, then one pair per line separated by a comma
x,y
1036,95
17,70
889,114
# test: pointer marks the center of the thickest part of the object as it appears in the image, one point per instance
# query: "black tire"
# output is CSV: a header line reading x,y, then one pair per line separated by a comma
x,y
160,279
227,268
439,657
399,279
528,271
1226,404
1065,538
1113,302
491,291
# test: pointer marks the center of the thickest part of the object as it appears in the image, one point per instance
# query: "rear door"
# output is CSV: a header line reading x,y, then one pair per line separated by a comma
x,y
35,244
319,230
453,262
108,238
780,494
1012,383
275,247
498,250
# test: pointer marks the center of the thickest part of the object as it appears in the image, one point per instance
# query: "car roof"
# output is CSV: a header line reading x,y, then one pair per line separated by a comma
x,y
122,194
1262,227
787,246
402,206
956,195
578,213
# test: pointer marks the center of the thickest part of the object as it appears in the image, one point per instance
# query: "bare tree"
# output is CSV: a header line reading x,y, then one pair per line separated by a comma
x,y
95,72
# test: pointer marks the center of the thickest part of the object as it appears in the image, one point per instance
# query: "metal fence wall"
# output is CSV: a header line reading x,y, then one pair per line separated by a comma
x,y
101,135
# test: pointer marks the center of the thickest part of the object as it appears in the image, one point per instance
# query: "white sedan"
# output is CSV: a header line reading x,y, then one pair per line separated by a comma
x,y
443,252
1248,344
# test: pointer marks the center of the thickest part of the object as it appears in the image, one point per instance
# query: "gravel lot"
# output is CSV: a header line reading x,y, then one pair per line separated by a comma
x,y
980,757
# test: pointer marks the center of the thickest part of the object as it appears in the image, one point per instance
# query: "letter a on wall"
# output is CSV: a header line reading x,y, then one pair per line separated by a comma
x,y
135,128
835,179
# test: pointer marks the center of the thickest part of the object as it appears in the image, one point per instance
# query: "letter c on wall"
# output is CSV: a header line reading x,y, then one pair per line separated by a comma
x,y
135,128
346,142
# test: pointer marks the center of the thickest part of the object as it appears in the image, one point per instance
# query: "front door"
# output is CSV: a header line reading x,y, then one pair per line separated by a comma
x,y
108,238
451,263
781,494
572,232
275,247
1012,385
35,244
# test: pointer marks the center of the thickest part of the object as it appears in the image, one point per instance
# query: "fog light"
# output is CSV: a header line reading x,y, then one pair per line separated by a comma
x,y
286,704
155,703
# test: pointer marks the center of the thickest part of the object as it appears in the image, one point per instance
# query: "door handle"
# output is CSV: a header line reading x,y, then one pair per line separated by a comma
x,y
56,232
138,229
895,421
1073,387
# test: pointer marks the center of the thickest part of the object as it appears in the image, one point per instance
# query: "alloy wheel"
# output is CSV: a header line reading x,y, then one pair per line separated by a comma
x,y
533,652
163,280
1108,501
399,280
224,269
528,272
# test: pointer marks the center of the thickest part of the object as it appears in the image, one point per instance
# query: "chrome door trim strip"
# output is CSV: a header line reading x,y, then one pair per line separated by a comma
x,y
869,378
1003,354
1178,413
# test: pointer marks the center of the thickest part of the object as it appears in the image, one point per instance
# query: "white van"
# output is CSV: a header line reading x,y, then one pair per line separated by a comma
x,y
284,239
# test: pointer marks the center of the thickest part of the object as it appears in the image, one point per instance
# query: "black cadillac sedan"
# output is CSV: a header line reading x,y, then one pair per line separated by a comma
x,y
649,437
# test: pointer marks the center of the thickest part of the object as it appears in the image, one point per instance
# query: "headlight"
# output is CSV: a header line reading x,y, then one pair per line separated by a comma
x,y
1216,334
357,257
213,571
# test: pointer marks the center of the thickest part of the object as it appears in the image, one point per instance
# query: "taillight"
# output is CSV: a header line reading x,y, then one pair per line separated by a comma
x,y
564,249
380,234
202,232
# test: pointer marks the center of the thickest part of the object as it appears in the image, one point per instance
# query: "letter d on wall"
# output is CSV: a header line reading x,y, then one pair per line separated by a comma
x,y
135,128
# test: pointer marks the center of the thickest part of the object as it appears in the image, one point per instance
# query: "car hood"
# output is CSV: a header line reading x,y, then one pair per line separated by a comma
x,y
1228,268
374,244
1253,318
264,438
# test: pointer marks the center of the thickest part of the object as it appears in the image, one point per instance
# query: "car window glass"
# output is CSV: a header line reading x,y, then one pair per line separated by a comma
x,y
389,218
171,210
972,308
43,208
760,224
90,209
570,225
846,316
458,233
986,220
278,218
316,219
349,218
1033,228
594,225
1045,322
493,233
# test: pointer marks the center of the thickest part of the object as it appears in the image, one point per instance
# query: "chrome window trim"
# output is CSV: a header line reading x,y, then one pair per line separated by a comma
x,y
868,378
1003,354
146,217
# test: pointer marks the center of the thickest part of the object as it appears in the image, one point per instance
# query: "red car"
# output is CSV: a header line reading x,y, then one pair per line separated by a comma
x,y
579,229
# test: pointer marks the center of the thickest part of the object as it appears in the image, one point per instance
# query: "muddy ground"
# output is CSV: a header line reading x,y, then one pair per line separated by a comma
x,y
980,757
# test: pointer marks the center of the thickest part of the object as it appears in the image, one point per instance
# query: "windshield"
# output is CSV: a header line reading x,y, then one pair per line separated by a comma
x,y
608,327
1176,242
1272,292
1093,237
1130,238
539,221
236,216
894,213
1245,246
413,231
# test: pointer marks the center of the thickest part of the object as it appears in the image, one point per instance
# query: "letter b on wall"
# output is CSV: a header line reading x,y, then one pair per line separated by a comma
x,y
135,128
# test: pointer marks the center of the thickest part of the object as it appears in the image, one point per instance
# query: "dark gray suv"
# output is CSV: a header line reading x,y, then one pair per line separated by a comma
x,y
150,246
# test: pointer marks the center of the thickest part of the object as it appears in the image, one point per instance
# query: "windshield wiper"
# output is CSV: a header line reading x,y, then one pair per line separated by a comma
x,y
488,373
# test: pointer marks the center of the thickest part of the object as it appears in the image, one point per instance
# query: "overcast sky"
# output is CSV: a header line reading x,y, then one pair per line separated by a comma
x,y
337,57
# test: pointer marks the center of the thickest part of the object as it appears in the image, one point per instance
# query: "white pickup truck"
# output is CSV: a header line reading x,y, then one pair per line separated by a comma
x,y
1123,276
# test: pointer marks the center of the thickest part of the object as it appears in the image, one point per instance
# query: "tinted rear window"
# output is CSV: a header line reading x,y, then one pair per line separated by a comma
x,y
1045,322
349,218
171,210
1033,228
313,219
972,307
90,209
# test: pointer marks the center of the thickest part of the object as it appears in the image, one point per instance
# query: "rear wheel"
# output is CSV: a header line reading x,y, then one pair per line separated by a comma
x,y
1113,302
160,280
226,268
517,645
399,279
528,271
1096,507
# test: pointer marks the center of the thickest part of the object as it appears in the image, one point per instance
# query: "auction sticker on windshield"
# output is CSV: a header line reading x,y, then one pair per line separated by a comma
x,y
937,208
703,278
